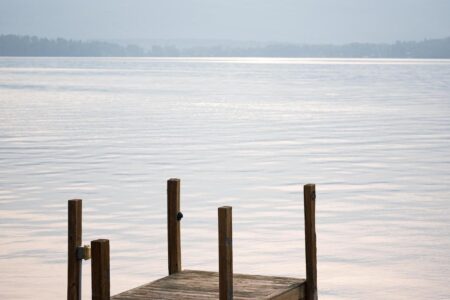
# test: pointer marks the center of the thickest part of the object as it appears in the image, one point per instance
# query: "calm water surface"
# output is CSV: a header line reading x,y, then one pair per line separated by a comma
x,y
374,135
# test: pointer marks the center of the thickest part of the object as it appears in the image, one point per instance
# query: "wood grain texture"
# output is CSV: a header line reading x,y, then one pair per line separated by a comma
x,y
291,294
173,225
309,194
74,233
190,285
100,274
225,253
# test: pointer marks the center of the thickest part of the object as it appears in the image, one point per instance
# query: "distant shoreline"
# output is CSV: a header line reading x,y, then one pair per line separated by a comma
x,y
31,46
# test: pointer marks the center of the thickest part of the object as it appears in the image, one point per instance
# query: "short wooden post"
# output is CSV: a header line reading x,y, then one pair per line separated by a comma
x,y
309,194
173,225
100,274
225,253
74,241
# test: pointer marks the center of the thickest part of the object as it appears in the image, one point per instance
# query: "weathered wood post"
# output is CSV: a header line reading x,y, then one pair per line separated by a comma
x,y
100,274
173,225
225,253
74,241
309,194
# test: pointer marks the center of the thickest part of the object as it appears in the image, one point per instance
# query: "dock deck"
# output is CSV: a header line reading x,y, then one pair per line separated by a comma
x,y
190,285
186,284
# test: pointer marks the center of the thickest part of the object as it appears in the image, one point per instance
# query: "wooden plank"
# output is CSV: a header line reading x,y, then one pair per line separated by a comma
x,y
190,285
173,225
309,194
297,293
100,274
74,240
225,253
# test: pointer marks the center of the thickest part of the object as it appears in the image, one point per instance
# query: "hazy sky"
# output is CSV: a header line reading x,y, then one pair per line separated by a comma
x,y
302,21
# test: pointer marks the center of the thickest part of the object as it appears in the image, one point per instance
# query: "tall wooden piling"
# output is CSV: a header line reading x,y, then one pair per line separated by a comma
x,y
225,253
309,194
74,241
100,272
173,225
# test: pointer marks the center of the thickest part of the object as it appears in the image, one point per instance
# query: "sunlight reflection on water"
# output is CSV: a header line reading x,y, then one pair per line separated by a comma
x,y
374,135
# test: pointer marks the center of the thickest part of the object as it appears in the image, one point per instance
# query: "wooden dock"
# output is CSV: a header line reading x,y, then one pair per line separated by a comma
x,y
190,284
205,285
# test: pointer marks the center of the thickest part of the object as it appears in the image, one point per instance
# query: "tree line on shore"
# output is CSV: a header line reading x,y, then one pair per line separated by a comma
x,y
16,45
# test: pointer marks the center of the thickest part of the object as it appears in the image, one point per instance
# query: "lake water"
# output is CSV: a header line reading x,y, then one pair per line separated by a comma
x,y
373,135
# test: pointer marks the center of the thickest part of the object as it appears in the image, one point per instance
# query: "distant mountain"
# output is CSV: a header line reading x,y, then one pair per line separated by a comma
x,y
14,45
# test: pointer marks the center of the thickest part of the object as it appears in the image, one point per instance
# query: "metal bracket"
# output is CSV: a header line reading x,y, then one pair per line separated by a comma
x,y
84,252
